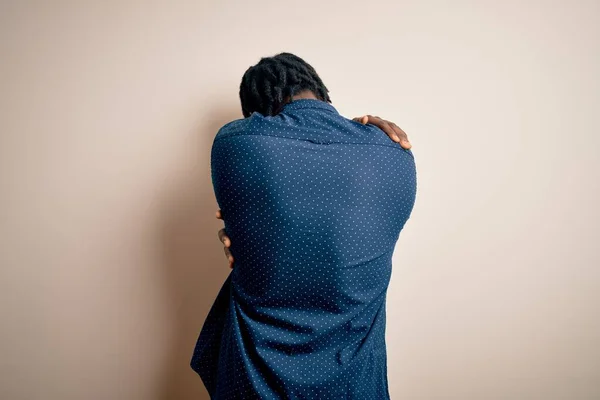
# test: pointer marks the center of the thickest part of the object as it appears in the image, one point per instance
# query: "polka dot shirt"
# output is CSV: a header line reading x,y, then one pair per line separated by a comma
x,y
314,204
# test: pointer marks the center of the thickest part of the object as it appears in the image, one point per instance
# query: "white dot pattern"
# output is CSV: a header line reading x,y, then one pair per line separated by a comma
x,y
314,204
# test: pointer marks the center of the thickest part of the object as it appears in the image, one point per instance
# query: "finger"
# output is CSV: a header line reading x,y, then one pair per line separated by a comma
x,y
224,238
391,132
228,254
404,142
375,120
387,128
219,215
371,119
229,257
362,120
391,129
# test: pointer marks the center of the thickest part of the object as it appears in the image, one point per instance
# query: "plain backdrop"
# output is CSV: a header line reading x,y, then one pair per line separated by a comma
x,y
108,238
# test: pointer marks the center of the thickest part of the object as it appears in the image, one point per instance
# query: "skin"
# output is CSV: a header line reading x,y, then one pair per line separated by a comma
x,y
391,129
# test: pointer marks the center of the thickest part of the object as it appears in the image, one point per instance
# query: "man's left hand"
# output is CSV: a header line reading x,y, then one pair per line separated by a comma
x,y
390,129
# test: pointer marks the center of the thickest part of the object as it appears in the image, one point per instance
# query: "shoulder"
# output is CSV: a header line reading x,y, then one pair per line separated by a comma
x,y
233,128
256,124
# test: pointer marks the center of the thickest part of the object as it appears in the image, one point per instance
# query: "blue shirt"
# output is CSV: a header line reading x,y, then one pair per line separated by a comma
x,y
314,204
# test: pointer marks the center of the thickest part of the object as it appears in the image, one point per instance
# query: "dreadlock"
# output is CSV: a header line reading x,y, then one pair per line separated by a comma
x,y
267,86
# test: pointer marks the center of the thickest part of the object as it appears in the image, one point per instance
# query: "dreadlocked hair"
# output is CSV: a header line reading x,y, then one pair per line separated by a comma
x,y
267,86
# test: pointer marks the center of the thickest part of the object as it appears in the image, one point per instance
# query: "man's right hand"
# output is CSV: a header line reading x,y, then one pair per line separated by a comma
x,y
225,240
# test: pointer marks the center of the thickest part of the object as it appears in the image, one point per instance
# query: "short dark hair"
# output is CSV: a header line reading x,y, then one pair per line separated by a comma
x,y
267,86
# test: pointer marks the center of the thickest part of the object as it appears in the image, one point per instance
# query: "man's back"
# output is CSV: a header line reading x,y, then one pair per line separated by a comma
x,y
314,204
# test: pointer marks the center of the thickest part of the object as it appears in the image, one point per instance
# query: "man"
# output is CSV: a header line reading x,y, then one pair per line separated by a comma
x,y
314,204
391,129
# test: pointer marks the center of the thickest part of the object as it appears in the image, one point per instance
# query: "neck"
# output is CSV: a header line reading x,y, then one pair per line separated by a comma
x,y
305,94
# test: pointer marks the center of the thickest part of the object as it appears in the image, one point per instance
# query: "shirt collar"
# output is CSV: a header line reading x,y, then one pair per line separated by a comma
x,y
309,103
